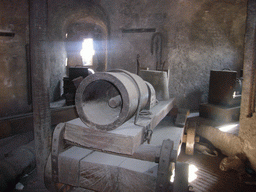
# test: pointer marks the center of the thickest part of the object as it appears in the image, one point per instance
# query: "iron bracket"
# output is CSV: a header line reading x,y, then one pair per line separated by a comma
x,y
57,147
164,167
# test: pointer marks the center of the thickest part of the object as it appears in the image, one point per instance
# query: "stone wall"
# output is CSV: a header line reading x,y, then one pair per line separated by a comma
x,y
13,63
203,36
62,15
198,36
135,14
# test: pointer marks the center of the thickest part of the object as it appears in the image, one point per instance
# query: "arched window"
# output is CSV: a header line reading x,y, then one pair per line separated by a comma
x,y
87,52
86,45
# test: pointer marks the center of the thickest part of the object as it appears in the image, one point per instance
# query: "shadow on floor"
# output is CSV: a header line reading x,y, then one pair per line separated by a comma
x,y
210,178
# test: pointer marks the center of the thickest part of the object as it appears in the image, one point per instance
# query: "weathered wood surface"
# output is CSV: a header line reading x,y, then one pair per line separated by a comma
x,y
125,139
248,92
24,123
147,152
157,113
106,172
181,117
137,175
40,73
219,113
69,162
100,171
166,130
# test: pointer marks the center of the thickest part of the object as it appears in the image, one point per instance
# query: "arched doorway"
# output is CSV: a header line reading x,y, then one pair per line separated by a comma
x,y
86,45
68,27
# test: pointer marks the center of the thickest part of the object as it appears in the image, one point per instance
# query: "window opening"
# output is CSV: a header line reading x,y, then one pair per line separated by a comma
x,y
87,52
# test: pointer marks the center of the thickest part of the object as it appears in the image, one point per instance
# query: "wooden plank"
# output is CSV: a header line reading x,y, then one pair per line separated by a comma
x,y
147,152
166,130
181,117
23,123
157,113
5,129
69,168
63,114
219,113
105,172
99,172
40,73
181,177
137,175
125,139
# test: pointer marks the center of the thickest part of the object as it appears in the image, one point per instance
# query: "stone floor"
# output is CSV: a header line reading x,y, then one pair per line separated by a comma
x,y
209,177
30,183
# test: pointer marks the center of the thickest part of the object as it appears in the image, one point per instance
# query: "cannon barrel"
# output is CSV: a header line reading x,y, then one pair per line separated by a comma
x,y
106,100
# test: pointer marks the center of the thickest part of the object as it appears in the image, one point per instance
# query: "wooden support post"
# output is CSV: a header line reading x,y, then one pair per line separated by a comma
x,y
40,82
249,72
247,114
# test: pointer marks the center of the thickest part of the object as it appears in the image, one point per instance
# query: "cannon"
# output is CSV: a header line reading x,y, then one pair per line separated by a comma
x,y
123,139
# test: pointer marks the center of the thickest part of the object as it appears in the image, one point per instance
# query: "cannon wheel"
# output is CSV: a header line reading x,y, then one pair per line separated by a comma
x,y
191,134
51,180
164,167
48,181
181,177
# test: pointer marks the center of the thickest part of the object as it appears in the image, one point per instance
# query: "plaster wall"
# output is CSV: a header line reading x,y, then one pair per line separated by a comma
x,y
134,14
63,14
13,63
199,36
14,16
203,36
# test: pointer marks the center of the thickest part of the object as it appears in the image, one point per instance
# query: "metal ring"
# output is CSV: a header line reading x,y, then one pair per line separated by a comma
x,y
138,89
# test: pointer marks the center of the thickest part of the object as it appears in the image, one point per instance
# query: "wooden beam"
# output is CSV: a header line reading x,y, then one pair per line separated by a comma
x,y
105,172
125,139
40,82
23,123
219,113
166,130
249,72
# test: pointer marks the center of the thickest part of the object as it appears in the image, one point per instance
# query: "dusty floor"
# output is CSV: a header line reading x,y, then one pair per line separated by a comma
x,y
31,183
209,177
